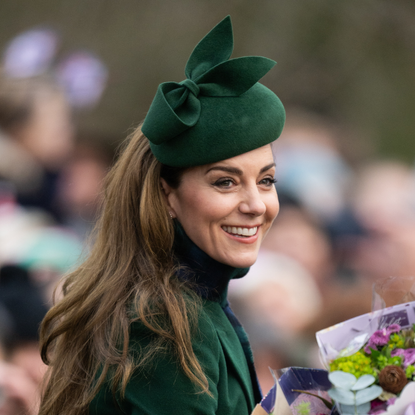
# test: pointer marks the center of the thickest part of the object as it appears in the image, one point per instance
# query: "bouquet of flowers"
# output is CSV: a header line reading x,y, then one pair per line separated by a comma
x,y
371,360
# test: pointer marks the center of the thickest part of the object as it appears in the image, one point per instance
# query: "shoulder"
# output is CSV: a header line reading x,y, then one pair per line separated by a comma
x,y
164,388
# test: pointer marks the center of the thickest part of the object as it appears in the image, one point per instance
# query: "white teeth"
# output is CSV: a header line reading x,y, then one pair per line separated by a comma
x,y
240,231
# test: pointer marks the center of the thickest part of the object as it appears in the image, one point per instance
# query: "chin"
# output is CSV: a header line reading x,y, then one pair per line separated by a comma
x,y
241,262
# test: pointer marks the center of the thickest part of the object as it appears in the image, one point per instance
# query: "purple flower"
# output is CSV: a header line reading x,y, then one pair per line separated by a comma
x,y
408,356
376,403
397,352
391,401
381,337
368,347
393,328
378,338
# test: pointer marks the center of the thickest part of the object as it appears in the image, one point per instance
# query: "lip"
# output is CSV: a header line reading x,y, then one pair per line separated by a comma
x,y
245,239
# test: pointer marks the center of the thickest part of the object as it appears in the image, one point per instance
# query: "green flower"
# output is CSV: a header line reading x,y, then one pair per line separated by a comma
x,y
383,358
396,341
357,364
409,372
303,408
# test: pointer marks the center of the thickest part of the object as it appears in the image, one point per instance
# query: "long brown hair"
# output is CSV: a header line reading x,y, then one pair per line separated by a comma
x,y
129,275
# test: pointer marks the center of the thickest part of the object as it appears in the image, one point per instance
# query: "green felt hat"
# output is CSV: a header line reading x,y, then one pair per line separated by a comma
x,y
219,111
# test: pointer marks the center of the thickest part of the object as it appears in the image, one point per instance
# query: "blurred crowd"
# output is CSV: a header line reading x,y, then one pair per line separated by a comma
x,y
342,226
50,184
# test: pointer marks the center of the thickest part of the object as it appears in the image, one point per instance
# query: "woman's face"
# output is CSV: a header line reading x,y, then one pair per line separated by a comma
x,y
226,208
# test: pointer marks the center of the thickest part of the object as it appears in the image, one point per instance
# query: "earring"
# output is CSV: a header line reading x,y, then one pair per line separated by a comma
x,y
171,216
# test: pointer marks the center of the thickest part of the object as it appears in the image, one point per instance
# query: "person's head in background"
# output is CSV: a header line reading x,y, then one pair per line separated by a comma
x,y
311,167
80,184
384,203
383,196
36,115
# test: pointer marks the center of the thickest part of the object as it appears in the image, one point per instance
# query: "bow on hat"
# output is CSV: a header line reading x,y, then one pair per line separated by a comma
x,y
209,73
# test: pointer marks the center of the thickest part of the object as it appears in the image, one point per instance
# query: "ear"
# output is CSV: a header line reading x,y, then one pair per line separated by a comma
x,y
169,195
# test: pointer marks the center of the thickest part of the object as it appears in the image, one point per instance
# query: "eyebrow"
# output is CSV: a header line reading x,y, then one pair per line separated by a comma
x,y
235,170
267,167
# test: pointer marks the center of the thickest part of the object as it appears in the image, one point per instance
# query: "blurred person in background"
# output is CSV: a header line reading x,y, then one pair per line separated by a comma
x,y
26,238
310,166
298,235
35,141
80,186
276,303
384,203
26,307
22,307
312,171
30,239
19,395
312,183
37,138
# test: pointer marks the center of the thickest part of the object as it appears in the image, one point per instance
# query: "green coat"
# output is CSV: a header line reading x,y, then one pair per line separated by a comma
x,y
168,391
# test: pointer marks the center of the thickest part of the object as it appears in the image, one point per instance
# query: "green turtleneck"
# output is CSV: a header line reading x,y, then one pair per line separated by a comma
x,y
210,278
165,389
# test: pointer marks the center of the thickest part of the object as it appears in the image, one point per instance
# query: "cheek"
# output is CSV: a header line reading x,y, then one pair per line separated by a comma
x,y
203,208
191,207
273,206
215,206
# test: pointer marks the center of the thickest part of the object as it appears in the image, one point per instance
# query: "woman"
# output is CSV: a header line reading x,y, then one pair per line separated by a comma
x,y
144,326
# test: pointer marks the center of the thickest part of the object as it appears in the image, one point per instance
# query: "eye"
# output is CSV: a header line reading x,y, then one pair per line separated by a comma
x,y
268,181
224,183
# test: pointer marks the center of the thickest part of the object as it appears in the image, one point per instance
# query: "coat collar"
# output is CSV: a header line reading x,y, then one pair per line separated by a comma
x,y
234,354
210,277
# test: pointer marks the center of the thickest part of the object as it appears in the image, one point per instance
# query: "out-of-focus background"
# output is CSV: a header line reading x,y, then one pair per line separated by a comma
x,y
76,76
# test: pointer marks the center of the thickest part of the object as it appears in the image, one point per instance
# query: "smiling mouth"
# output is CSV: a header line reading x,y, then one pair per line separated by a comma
x,y
242,232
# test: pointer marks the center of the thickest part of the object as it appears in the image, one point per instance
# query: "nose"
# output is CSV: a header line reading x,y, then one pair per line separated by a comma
x,y
252,202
